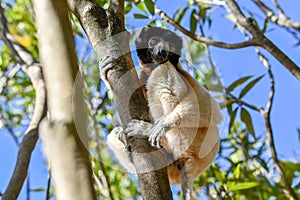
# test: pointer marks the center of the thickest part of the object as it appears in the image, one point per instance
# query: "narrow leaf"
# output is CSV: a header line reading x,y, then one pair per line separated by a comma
x,y
139,16
140,5
246,118
238,83
266,24
237,172
203,13
242,186
232,118
128,8
193,22
150,6
249,86
181,13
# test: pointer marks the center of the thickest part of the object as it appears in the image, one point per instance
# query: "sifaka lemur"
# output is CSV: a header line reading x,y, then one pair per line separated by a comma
x,y
185,117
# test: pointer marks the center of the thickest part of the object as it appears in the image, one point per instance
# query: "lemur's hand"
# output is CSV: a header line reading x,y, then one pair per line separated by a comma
x,y
138,128
105,65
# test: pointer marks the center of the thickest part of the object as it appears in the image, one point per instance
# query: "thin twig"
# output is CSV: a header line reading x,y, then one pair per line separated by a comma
x,y
281,20
215,2
266,113
241,102
279,9
4,80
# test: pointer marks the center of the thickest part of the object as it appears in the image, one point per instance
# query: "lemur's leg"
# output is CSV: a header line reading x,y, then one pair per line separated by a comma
x,y
116,143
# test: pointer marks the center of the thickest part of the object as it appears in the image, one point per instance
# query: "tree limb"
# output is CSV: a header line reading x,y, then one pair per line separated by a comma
x,y
34,70
64,145
165,17
259,39
264,42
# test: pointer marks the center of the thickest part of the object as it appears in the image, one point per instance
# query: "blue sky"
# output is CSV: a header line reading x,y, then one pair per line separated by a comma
x,y
232,65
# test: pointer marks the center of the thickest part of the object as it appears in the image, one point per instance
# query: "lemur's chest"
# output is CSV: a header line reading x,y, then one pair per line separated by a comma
x,y
165,88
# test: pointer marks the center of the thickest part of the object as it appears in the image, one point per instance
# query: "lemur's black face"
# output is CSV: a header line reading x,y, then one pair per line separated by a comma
x,y
157,45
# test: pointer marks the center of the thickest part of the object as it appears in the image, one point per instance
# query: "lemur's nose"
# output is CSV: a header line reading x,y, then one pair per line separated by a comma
x,y
163,49
163,53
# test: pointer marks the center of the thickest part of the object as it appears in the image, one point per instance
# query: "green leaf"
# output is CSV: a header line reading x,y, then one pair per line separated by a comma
x,y
249,86
242,186
103,3
139,16
232,117
203,10
238,83
246,118
219,174
180,13
150,6
140,5
152,23
128,8
266,24
290,169
193,21
237,172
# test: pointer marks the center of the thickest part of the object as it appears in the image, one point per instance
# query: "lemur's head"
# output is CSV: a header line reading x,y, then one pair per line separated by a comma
x,y
157,45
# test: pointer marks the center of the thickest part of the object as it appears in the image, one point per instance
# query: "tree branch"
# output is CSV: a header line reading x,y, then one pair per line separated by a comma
x,y
63,141
281,20
264,42
105,30
241,102
266,113
165,17
34,70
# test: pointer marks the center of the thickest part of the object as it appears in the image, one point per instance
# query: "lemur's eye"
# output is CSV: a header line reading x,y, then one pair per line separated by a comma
x,y
153,41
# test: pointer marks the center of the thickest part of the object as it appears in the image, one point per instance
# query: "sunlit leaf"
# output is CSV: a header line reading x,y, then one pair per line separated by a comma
x,y
141,6
193,22
249,86
242,186
238,83
232,117
237,172
266,24
246,118
203,11
139,16
290,169
180,13
150,6
128,8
